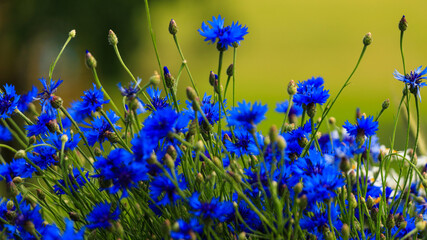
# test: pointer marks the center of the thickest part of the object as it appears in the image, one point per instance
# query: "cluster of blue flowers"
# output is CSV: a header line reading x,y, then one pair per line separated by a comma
x,y
155,169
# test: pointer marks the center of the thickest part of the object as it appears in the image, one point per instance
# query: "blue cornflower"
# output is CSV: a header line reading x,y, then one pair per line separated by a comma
x,y
26,99
47,94
142,146
214,209
55,140
100,129
186,230
92,101
73,179
156,100
319,220
102,216
282,107
8,101
43,156
364,127
226,35
41,126
413,79
159,124
243,143
322,186
121,168
52,232
26,215
16,168
246,116
209,108
311,92
5,134
164,191
131,94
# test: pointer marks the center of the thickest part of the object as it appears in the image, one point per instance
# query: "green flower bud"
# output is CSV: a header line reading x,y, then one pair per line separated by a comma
x,y
74,216
292,88
220,47
17,180
90,60
274,133
172,151
303,202
169,79
298,188
230,70
169,162
10,205
421,225
200,147
155,79
370,203
345,165
403,24
64,138
112,38
390,221
386,104
20,154
332,121
112,137
191,94
345,230
72,33
352,201
97,152
242,236
367,40
200,178
173,28
374,214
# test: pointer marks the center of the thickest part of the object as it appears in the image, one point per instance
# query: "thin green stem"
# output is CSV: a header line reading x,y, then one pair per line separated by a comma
x,y
234,74
95,75
52,67
184,61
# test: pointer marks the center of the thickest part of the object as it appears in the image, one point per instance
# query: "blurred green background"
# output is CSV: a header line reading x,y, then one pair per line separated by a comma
x,y
287,40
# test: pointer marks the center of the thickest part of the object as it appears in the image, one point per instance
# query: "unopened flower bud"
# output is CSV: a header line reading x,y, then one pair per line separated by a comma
x,y
97,152
17,180
172,151
403,24
113,138
242,236
20,154
230,70
170,81
386,104
74,216
390,221
303,201
10,205
374,213
112,38
281,143
64,138
352,201
345,165
367,40
72,33
274,133
267,140
311,110
155,79
200,146
175,227
90,60
292,88
173,28
191,94
421,225
345,230
370,203
40,194
169,162
29,227
152,159
332,120
217,162
298,188
212,78
199,178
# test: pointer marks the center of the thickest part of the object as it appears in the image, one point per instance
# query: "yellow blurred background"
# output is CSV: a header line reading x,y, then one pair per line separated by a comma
x,y
287,40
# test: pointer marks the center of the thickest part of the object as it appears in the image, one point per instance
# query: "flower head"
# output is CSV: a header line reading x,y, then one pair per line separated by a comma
x,y
77,177
164,191
186,230
121,168
213,209
246,115
282,107
5,134
92,100
311,91
364,127
227,36
102,216
156,100
41,126
159,124
100,129
413,79
47,94
8,101
70,144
